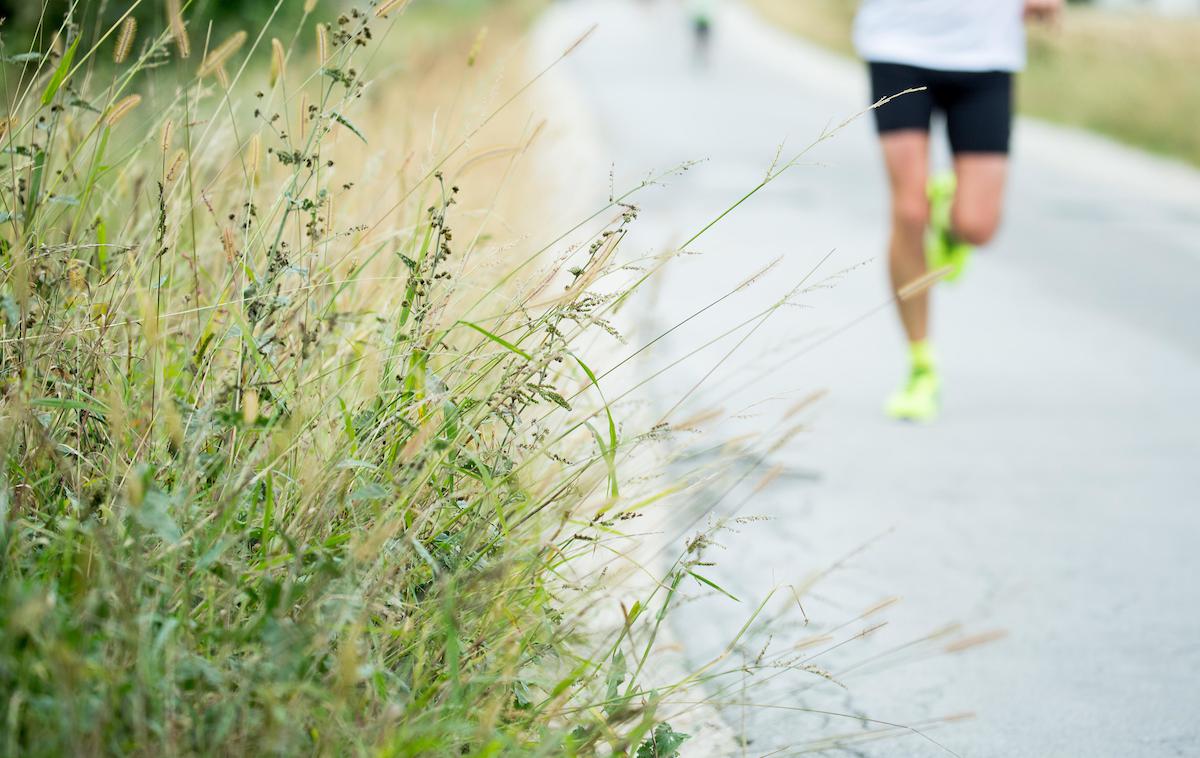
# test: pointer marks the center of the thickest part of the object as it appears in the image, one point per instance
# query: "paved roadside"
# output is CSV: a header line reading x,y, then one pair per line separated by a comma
x,y
1058,499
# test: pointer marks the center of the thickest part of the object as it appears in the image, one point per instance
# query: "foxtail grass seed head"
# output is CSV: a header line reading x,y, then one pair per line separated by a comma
x,y
983,638
178,29
278,62
149,320
303,115
135,492
922,283
881,605
125,40
582,38
477,47
254,157
76,275
775,472
804,403
175,166
222,53
122,108
322,44
250,407
167,134
172,424
229,245
389,6
310,6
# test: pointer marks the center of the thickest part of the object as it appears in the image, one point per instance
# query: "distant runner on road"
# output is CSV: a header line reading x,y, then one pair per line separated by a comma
x,y
701,12
964,52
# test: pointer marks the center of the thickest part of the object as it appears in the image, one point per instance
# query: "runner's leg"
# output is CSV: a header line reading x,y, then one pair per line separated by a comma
x,y
906,155
904,135
980,196
979,120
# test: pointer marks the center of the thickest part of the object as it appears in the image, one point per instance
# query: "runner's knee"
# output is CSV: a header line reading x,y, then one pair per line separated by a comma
x,y
910,213
975,226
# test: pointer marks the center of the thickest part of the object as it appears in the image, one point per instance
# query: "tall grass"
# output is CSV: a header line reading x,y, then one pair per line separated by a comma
x,y
291,464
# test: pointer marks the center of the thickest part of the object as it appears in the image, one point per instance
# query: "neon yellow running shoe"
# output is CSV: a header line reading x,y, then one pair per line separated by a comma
x,y
917,400
942,250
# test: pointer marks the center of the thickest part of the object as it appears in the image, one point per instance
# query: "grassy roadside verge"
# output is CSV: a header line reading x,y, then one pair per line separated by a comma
x,y
300,448
1125,76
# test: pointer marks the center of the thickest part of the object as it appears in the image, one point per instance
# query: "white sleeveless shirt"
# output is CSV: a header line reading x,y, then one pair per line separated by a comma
x,y
948,35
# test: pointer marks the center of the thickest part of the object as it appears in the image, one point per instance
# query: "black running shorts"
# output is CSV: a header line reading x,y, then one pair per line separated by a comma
x,y
978,104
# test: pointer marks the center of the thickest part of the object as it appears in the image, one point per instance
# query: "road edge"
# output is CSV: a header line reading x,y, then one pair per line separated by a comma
x,y
573,163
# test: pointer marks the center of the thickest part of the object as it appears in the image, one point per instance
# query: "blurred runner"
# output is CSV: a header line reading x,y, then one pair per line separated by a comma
x,y
702,20
964,52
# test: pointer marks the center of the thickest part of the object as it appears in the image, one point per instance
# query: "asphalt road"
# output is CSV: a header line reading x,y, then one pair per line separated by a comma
x,y
1057,501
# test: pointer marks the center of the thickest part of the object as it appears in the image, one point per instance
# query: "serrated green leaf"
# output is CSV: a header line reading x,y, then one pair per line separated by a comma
x,y
612,683
663,743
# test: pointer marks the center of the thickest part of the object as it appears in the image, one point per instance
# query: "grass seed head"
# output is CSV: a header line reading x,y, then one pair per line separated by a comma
x,y
389,6
278,62
322,45
166,135
222,53
175,165
125,40
178,29
122,108
477,47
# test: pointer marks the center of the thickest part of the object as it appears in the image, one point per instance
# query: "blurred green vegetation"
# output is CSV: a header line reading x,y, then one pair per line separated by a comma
x,y
31,24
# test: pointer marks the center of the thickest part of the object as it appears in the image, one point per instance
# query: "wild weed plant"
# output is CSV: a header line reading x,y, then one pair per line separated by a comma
x,y
283,473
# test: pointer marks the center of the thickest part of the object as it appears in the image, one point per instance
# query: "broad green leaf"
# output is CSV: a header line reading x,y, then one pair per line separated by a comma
x,y
663,743
370,491
154,516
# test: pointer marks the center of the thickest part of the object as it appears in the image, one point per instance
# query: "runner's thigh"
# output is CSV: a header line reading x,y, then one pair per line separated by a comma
x,y
979,111
909,111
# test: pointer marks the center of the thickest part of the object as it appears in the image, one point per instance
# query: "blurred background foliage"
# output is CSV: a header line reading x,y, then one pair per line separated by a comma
x,y
31,24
